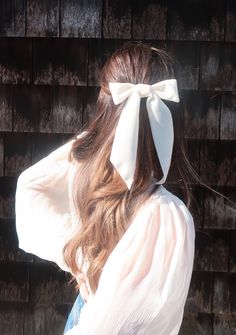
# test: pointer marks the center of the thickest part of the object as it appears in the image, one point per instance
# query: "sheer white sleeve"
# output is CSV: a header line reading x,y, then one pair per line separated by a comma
x,y
42,206
145,281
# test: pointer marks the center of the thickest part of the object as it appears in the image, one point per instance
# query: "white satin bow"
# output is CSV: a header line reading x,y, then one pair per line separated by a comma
x,y
124,148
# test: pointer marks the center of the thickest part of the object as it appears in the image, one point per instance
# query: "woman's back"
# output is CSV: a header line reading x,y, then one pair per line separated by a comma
x,y
96,206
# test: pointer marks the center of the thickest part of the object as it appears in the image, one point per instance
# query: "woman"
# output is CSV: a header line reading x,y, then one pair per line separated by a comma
x,y
96,206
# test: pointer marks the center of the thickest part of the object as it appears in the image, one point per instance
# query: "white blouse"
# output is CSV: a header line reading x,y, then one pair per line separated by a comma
x,y
144,284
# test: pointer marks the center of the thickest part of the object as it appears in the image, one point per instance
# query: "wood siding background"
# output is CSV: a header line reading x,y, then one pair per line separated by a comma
x,y
50,53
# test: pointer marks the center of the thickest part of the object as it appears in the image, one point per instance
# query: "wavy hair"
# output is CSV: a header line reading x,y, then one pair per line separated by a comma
x,y
104,205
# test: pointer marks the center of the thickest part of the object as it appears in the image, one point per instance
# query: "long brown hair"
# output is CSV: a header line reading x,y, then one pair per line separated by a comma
x,y
104,205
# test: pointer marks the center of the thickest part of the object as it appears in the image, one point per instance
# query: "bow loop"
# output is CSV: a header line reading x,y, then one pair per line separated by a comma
x,y
124,148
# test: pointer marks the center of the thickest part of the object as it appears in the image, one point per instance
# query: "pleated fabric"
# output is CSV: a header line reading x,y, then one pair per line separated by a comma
x,y
145,281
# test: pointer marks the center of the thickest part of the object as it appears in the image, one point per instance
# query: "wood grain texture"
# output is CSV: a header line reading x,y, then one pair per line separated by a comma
x,y
89,107
32,109
1,156
42,18
48,320
196,20
12,319
7,197
9,251
15,61
81,18
43,144
218,163
99,52
67,105
149,19
49,285
216,214
60,62
218,66
224,293
196,324
12,18
14,282
5,107
232,246
17,157
196,206
200,293
208,245
117,19
228,116
201,114
186,63
224,324
192,152
231,21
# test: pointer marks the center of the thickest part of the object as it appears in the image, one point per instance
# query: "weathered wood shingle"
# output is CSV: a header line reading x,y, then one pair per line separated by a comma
x,y
42,18
12,18
81,18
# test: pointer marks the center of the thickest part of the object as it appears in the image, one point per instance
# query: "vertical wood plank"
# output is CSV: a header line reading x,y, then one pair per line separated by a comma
x,y
149,19
196,206
216,214
117,19
89,106
81,18
196,324
223,293
42,18
228,116
1,156
14,282
60,62
9,251
231,21
224,324
7,198
48,286
15,61
99,52
12,14
12,319
219,159
218,66
32,109
67,109
43,144
186,63
5,107
208,245
201,114
17,157
200,293
48,320
232,264
196,20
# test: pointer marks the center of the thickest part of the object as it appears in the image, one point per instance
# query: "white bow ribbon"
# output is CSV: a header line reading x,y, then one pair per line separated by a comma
x,y
124,148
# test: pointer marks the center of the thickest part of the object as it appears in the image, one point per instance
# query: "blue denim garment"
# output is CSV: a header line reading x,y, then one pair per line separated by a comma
x,y
73,318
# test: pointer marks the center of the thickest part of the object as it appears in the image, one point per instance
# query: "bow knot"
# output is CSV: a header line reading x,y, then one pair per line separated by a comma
x,y
124,148
143,90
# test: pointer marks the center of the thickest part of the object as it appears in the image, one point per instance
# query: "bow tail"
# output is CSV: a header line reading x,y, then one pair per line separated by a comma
x,y
124,149
162,131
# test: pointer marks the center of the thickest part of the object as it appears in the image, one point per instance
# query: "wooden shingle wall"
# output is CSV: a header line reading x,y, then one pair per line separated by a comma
x,y
50,53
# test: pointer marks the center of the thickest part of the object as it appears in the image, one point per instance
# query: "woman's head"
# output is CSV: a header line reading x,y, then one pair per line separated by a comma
x,y
133,63
104,205
136,63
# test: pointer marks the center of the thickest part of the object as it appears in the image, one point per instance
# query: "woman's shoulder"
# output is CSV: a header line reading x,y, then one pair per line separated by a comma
x,y
163,203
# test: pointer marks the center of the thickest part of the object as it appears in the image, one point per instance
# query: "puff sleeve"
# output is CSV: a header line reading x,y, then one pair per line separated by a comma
x,y
144,284
42,206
